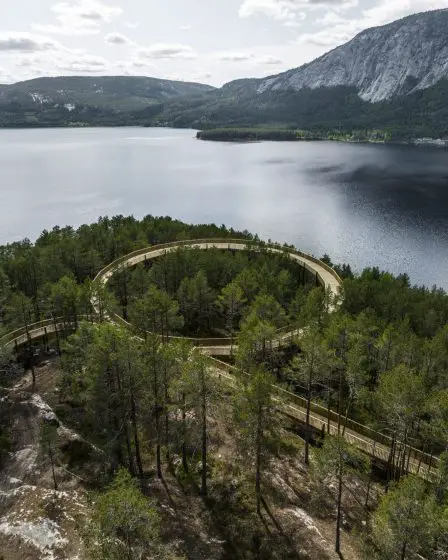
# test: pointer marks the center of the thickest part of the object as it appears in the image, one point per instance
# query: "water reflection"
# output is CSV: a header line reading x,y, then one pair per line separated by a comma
x,y
363,204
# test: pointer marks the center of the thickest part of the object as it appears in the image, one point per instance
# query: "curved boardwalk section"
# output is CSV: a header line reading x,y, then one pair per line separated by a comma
x,y
326,275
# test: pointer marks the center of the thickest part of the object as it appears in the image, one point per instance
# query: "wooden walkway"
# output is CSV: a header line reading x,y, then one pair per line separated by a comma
x,y
364,438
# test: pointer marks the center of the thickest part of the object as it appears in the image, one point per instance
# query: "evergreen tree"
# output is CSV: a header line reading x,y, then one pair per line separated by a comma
x,y
231,302
406,521
337,460
254,415
124,523
309,367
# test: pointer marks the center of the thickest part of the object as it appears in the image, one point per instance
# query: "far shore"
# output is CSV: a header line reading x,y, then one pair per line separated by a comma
x,y
254,135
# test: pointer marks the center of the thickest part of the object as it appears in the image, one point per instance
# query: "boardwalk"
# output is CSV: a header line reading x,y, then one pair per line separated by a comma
x,y
364,438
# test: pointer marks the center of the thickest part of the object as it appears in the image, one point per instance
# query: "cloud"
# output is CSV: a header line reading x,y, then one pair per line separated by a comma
x,y
280,10
338,29
26,42
134,67
234,56
131,25
186,27
290,12
384,11
166,50
28,60
117,39
141,64
79,17
85,63
269,59
5,77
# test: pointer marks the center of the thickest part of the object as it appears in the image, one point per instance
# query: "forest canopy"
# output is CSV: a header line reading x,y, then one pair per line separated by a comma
x,y
377,356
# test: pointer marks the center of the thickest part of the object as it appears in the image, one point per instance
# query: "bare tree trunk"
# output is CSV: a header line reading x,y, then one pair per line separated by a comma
x,y
157,413
403,551
339,402
124,420
184,434
158,445
129,448
347,410
204,438
30,347
339,512
58,344
138,456
370,479
307,425
167,416
258,462
402,463
390,462
421,458
50,452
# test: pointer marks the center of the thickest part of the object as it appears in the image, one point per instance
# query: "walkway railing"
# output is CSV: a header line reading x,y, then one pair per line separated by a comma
x,y
369,440
157,251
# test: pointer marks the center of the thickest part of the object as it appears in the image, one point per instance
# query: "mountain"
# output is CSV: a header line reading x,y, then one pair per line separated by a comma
x,y
405,56
117,93
392,79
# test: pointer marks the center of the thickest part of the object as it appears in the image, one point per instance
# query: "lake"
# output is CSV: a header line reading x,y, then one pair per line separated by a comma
x,y
362,204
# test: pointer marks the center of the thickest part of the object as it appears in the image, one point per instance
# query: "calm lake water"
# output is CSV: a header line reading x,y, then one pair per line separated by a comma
x,y
362,204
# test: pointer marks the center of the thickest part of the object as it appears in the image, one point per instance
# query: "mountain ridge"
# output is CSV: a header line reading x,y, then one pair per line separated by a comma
x,y
110,92
392,77
381,74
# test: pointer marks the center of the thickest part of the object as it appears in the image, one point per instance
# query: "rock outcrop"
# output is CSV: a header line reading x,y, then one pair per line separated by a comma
x,y
383,62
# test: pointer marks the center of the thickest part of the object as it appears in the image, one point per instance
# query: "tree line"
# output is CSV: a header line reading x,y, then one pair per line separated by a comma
x,y
30,270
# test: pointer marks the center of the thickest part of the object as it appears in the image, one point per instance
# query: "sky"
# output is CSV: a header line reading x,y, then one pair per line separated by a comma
x,y
208,41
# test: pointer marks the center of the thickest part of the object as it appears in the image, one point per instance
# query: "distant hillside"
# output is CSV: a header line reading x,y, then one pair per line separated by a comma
x,y
393,78
340,109
388,82
116,93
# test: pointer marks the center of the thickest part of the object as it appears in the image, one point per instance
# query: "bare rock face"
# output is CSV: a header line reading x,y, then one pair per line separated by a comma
x,y
396,59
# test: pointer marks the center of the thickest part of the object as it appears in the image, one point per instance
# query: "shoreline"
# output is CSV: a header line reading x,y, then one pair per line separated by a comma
x,y
416,142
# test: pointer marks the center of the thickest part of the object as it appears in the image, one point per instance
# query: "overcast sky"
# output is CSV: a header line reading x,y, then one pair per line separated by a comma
x,y
211,41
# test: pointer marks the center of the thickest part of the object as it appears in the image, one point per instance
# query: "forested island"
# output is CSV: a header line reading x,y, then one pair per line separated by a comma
x,y
257,134
124,438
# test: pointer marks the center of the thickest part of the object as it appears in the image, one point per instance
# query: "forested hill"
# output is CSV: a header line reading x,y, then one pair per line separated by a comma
x,y
108,93
324,112
393,79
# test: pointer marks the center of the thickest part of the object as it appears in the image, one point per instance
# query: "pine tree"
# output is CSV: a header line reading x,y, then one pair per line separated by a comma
x,y
48,437
406,521
309,367
254,417
337,460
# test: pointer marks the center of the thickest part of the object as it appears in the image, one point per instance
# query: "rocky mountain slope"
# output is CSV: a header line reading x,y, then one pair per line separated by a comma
x,y
405,56
123,93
